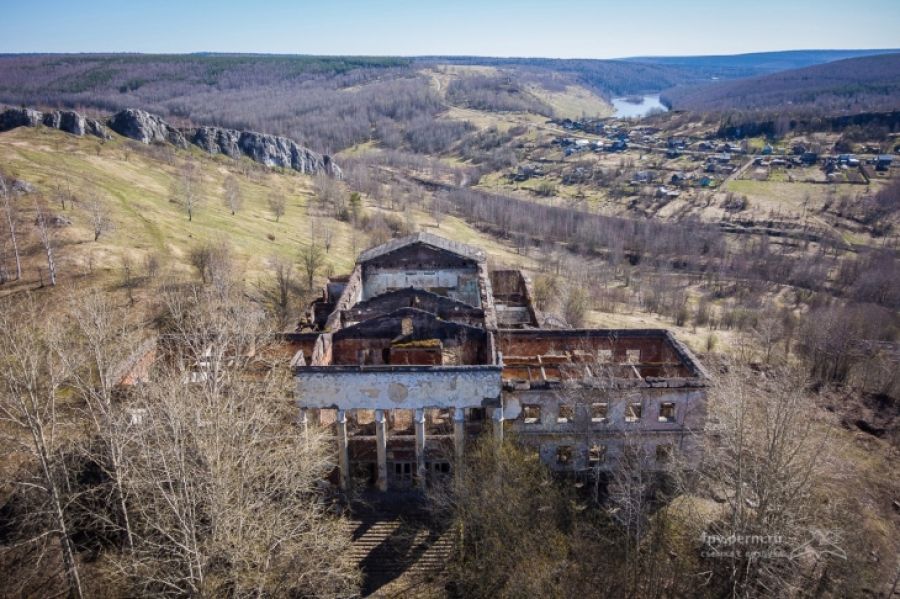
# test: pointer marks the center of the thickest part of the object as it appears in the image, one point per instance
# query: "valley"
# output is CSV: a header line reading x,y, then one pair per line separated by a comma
x,y
265,222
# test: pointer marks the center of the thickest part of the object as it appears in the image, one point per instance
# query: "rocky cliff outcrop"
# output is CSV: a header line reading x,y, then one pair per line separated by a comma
x,y
215,140
270,150
64,120
145,127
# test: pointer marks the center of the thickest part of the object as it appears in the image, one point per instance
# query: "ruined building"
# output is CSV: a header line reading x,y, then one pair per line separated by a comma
x,y
421,347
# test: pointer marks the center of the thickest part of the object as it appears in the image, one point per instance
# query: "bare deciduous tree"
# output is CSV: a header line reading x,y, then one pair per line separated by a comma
x,y
327,236
234,199
11,221
313,258
576,305
186,188
277,206
225,498
46,238
99,219
213,262
95,355
768,460
278,293
31,377
508,516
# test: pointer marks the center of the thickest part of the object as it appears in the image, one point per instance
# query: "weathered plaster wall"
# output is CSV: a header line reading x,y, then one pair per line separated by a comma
x,y
387,388
615,434
459,283
352,294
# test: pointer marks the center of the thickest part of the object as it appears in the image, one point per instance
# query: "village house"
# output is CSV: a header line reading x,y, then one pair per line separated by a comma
x,y
422,347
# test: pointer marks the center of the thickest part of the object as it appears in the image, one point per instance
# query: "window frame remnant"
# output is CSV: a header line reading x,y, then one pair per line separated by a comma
x,y
600,412
667,412
597,454
664,453
633,412
535,413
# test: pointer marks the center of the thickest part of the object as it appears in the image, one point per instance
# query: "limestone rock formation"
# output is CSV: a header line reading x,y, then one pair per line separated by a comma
x,y
215,140
270,150
19,117
64,120
145,127
96,129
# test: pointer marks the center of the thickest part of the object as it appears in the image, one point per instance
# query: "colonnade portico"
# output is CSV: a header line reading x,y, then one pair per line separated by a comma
x,y
419,415
343,437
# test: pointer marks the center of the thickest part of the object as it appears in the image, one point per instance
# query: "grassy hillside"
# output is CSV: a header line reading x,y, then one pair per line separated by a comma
x,y
134,184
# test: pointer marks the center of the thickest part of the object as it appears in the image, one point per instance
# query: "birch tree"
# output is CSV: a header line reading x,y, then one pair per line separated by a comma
x,y
10,213
32,413
46,238
224,487
767,460
98,348
233,198
186,188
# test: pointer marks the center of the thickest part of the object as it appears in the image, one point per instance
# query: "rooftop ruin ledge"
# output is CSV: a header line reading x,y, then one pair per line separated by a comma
x,y
607,384
397,368
701,375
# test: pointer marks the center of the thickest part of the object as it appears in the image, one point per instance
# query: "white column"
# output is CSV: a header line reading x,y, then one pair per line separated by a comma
x,y
381,450
343,451
459,433
303,421
498,425
420,447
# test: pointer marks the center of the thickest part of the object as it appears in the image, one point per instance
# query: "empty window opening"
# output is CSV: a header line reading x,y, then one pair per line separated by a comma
x,y
633,412
566,414
401,422
605,356
474,414
327,416
596,454
599,412
667,411
663,453
633,356
439,468
403,471
438,420
564,455
364,416
531,414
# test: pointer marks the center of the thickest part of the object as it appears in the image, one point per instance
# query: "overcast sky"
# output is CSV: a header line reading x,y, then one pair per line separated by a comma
x,y
563,28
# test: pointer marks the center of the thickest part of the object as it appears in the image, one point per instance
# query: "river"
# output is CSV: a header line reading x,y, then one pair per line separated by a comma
x,y
630,110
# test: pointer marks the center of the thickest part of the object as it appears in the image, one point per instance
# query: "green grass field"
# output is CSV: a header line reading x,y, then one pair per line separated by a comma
x,y
134,186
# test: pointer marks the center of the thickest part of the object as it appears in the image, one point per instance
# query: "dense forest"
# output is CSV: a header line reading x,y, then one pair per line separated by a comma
x,y
324,103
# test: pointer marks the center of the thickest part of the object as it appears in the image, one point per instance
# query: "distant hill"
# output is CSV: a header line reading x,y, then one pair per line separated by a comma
x,y
753,64
845,86
648,74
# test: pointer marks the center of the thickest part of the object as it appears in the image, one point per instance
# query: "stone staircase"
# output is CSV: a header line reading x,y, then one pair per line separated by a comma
x,y
398,548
